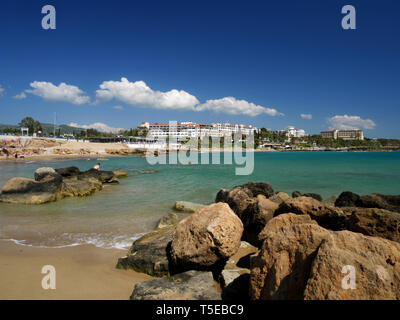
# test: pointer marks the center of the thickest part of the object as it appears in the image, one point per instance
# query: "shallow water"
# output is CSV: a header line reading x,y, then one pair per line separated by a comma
x,y
118,214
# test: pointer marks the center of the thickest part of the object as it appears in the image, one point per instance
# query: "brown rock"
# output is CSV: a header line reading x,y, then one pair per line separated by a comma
x,y
206,238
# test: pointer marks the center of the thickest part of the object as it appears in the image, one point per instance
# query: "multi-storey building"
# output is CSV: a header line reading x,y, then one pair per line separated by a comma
x,y
349,134
294,132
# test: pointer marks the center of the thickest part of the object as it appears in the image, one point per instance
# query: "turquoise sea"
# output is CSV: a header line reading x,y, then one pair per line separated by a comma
x,y
120,213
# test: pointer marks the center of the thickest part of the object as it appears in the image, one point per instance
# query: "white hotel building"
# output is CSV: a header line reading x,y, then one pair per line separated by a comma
x,y
190,129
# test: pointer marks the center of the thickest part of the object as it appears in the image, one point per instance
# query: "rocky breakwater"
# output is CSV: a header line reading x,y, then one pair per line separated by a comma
x,y
51,184
304,249
191,255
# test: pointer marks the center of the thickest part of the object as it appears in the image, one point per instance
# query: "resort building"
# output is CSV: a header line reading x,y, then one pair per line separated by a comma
x,y
294,132
349,134
190,129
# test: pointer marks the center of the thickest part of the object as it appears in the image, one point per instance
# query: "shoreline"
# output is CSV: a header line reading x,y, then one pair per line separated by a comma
x,y
83,272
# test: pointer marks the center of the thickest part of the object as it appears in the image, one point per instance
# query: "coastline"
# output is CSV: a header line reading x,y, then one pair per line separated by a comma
x,y
83,272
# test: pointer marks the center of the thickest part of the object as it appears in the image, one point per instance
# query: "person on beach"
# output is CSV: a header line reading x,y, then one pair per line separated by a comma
x,y
97,166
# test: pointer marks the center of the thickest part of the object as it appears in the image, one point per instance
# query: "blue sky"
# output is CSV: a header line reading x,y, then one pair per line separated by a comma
x,y
254,62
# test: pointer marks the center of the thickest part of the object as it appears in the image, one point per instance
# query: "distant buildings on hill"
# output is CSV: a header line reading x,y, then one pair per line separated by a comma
x,y
350,134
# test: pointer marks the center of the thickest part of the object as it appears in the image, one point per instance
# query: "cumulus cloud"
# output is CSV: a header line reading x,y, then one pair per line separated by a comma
x,y
140,95
350,122
2,90
306,116
63,92
20,96
231,105
119,107
102,127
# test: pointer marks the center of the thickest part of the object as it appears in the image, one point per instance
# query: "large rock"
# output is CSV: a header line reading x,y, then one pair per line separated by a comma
x,y
80,188
279,197
373,222
315,196
239,197
120,173
259,211
190,285
29,191
103,176
374,200
207,238
68,172
149,254
305,261
168,221
327,216
40,173
186,206
376,269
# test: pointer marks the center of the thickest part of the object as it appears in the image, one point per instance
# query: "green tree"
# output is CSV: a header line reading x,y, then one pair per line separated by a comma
x,y
32,125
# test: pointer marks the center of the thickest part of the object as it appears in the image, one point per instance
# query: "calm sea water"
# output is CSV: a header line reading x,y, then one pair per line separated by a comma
x,y
120,213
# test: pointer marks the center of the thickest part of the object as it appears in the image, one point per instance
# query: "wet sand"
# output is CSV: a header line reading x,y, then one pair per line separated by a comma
x,y
82,272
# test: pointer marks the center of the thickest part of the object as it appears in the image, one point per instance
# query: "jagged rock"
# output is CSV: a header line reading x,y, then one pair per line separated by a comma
x,y
373,200
120,173
347,199
373,222
305,261
207,238
259,211
68,172
315,196
80,188
40,173
326,216
279,197
29,191
149,254
186,206
331,200
296,194
239,197
190,285
103,176
168,221
376,264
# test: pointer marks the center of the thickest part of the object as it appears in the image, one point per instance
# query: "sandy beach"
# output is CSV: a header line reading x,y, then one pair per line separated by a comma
x,y
82,273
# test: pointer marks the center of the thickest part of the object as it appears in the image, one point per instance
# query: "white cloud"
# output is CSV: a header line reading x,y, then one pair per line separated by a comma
x,y
231,105
63,92
2,90
119,107
140,95
306,116
20,96
102,127
350,122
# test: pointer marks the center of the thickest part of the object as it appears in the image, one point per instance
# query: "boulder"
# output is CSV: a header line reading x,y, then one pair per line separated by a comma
x,y
373,222
40,173
190,285
375,263
347,199
29,191
296,194
103,176
279,197
254,218
68,172
149,254
120,173
80,188
326,216
305,261
168,221
315,196
207,238
239,197
373,200
186,206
